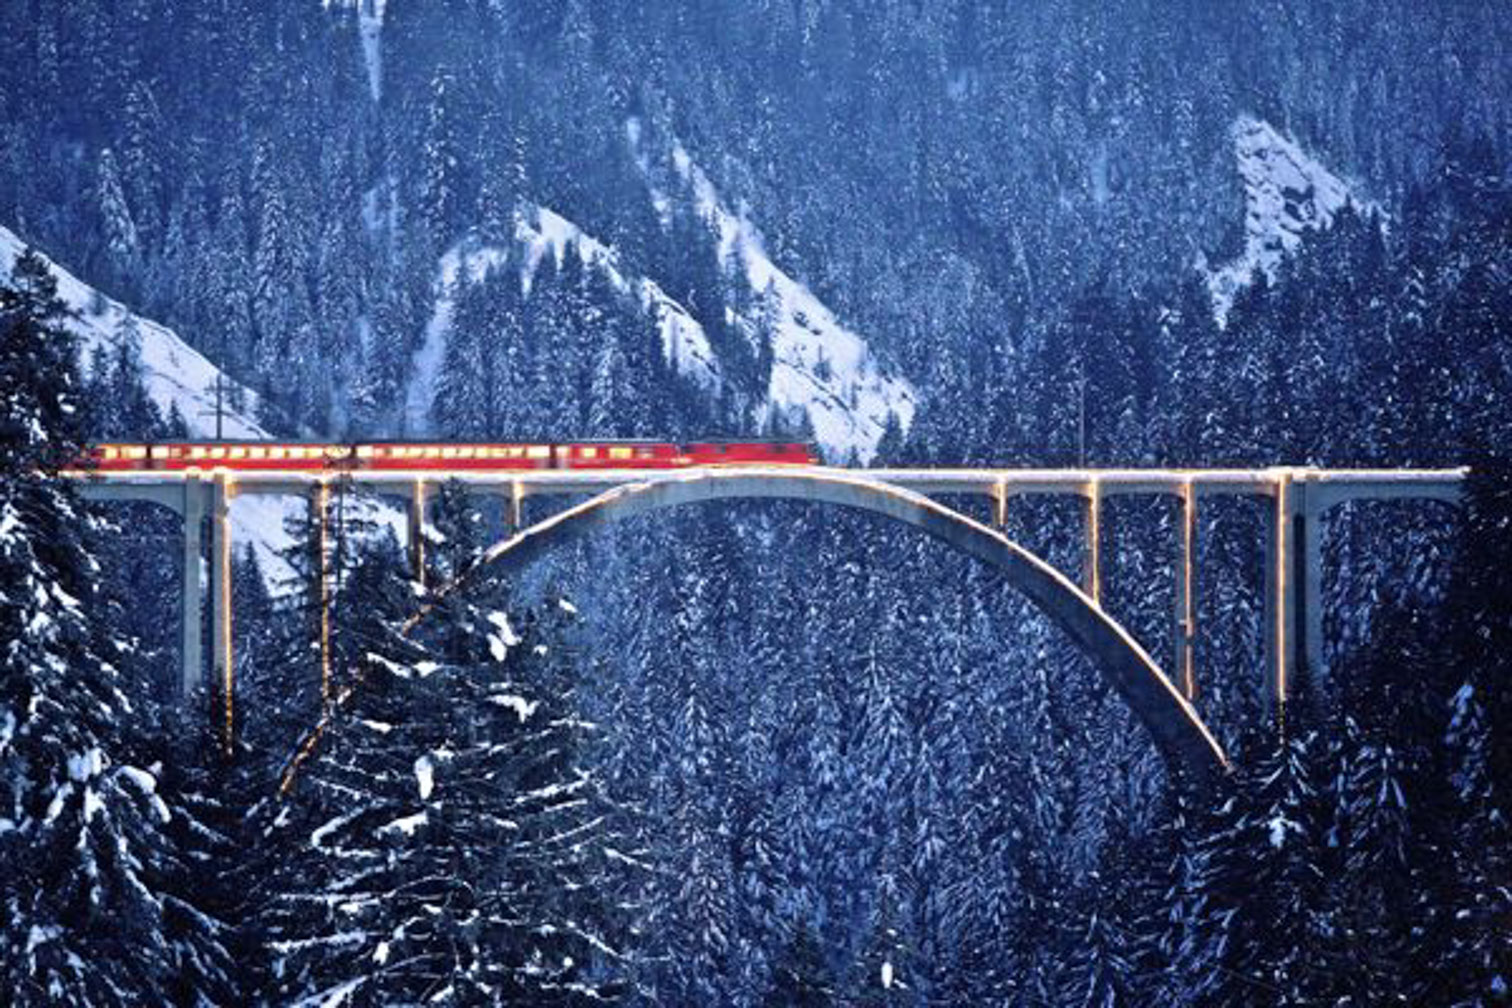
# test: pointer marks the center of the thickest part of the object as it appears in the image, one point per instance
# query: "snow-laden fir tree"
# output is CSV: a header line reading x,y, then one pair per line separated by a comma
x,y
91,910
444,845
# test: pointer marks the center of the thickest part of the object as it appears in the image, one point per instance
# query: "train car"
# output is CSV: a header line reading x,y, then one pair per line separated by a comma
x,y
410,456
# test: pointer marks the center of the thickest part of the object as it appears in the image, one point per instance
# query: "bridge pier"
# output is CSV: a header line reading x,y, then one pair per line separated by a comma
x,y
191,600
1294,586
1185,633
1309,538
221,492
1092,543
417,531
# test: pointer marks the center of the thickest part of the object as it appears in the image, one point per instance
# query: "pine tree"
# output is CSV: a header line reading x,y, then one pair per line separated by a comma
x,y
800,978
453,848
92,912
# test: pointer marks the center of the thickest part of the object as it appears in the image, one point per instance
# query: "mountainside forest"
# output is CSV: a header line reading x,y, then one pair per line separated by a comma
x,y
755,753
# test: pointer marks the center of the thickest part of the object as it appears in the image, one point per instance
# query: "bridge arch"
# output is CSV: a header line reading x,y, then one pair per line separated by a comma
x,y
1178,732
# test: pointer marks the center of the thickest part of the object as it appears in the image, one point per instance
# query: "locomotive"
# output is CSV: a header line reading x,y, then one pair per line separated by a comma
x,y
410,456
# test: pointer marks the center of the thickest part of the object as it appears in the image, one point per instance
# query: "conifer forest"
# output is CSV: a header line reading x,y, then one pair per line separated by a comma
x,y
755,753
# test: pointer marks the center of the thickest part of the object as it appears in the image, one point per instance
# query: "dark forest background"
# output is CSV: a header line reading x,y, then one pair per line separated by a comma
x,y
763,755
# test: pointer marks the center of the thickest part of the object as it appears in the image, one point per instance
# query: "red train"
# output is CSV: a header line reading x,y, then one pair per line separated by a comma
x,y
413,455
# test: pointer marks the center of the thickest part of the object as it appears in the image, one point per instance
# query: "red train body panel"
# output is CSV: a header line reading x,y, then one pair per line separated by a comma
x,y
403,456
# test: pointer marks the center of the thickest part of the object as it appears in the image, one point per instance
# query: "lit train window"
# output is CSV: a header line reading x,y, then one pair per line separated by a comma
x,y
236,453
277,452
588,453
645,452
257,453
107,452
159,452
538,452
364,451
620,453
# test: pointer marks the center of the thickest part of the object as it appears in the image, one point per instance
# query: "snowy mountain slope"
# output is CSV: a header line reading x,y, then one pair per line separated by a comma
x,y
539,231
1287,193
819,366
175,374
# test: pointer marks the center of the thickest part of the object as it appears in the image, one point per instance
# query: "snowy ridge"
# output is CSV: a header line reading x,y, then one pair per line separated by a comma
x,y
539,231
819,367
174,374
683,340
1287,193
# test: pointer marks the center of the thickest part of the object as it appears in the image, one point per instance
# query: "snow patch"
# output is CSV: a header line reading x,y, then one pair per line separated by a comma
x,y
425,776
819,367
83,766
408,825
1287,193
524,709
506,630
539,232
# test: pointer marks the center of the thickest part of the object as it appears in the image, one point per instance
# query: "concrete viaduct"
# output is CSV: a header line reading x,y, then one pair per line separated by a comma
x,y
1298,502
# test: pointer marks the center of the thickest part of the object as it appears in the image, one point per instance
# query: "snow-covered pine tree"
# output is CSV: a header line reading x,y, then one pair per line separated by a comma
x,y
443,845
91,909
800,977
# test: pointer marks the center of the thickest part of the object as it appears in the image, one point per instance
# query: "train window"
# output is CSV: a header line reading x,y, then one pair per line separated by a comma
x,y
620,453
644,452
588,453
159,452
538,452
365,451
256,453
107,452
236,453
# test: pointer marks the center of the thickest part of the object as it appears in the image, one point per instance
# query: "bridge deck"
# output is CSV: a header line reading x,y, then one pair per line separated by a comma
x,y
1334,484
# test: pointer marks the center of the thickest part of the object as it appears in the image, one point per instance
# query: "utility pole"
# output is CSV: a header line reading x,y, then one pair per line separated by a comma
x,y
220,407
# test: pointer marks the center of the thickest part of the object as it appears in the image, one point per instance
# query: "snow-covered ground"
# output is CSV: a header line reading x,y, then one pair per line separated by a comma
x,y
175,374
820,367
539,231
1287,193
